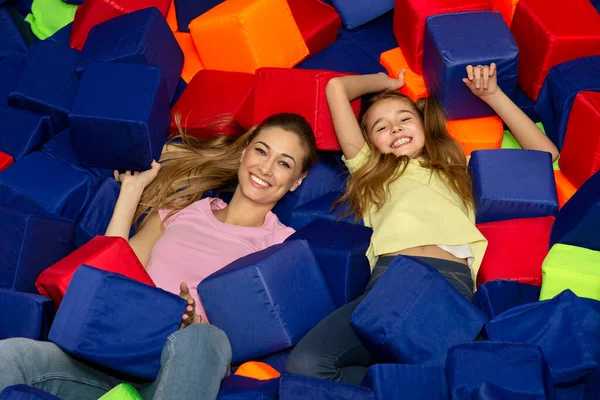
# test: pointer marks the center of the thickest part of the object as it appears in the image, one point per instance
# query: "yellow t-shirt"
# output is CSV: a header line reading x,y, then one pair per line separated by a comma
x,y
421,210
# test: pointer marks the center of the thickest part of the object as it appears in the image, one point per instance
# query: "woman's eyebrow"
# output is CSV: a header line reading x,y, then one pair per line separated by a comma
x,y
283,154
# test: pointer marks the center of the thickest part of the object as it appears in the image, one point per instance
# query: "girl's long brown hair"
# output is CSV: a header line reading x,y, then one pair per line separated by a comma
x,y
193,166
369,185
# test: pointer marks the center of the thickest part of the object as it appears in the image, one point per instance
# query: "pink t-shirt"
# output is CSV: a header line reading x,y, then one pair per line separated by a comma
x,y
196,244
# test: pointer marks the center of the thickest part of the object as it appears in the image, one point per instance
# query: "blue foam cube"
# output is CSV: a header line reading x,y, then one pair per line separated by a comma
x,y
39,182
116,322
565,328
298,387
520,369
277,360
62,36
24,392
396,318
30,242
340,249
513,183
235,387
13,43
48,83
526,105
321,208
578,220
22,131
495,297
267,301
188,10
407,381
25,315
558,92
95,217
343,56
374,37
355,13
120,117
139,37
454,41
10,72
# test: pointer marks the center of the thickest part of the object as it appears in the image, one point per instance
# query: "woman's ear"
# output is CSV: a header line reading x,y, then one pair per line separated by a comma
x,y
298,181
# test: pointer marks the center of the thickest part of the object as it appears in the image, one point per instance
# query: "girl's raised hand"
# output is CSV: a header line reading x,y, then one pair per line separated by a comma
x,y
138,179
482,80
394,84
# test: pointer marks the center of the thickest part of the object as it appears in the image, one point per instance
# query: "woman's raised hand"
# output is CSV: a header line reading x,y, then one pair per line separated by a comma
x,y
190,317
138,179
482,80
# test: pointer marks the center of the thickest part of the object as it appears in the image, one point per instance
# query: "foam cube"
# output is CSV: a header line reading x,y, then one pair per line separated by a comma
x,y
596,4
318,22
81,328
48,83
10,72
340,249
409,382
445,58
355,14
527,239
321,208
112,254
472,134
394,319
506,8
580,156
343,56
277,360
518,368
22,131
24,392
547,324
62,36
547,38
244,35
13,42
526,104
95,217
235,387
94,12
191,58
374,37
209,98
140,37
409,23
5,161
578,220
298,387
267,301
39,182
48,16
25,315
563,82
414,86
188,10
304,95
511,184
329,175
257,370
116,128
564,188
29,243
509,142
495,297
571,267
123,391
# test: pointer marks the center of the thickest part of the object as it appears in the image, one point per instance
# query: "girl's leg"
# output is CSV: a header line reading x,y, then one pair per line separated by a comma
x,y
194,361
45,366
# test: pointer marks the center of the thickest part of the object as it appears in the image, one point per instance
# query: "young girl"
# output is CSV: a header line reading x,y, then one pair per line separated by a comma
x,y
184,238
409,182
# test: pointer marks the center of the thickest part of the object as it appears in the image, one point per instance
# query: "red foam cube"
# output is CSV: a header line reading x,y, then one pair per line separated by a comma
x,y
409,23
94,12
580,155
550,32
299,91
516,250
318,22
112,254
5,161
212,97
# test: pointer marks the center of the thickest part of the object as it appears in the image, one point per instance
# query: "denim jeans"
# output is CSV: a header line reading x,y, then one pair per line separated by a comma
x,y
331,350
194,360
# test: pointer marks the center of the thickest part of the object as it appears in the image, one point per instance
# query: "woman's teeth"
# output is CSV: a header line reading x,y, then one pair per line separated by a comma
x,y
400,142
259,181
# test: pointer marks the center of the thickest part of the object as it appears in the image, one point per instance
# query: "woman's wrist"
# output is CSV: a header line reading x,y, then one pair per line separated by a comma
x,y
131,190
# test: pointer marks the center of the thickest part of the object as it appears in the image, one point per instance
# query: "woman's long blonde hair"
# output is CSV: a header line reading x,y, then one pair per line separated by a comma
x,y
193,166
369,185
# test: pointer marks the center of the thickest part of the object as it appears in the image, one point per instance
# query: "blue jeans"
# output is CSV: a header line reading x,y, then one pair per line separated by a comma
x,y
331,350
193,363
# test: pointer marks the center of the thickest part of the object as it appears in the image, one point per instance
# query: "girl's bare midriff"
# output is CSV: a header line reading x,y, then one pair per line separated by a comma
x,y
428,251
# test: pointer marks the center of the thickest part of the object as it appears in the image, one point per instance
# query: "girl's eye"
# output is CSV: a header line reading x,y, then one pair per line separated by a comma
x,y
260,151
380,129
284,164
405,119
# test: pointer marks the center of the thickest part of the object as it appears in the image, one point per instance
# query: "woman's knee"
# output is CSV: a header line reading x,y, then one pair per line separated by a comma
x,y
203,340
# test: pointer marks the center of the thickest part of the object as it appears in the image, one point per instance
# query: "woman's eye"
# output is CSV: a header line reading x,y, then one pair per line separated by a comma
x,y
284,164
260,151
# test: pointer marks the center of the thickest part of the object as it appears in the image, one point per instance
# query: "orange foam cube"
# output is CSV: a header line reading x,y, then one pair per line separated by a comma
x,y
393,61
564,188
191,59
506,8
244,35
477,133
257,370
172,18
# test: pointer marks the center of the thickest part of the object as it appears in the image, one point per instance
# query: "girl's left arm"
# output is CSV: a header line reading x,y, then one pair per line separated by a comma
x,y
481,80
